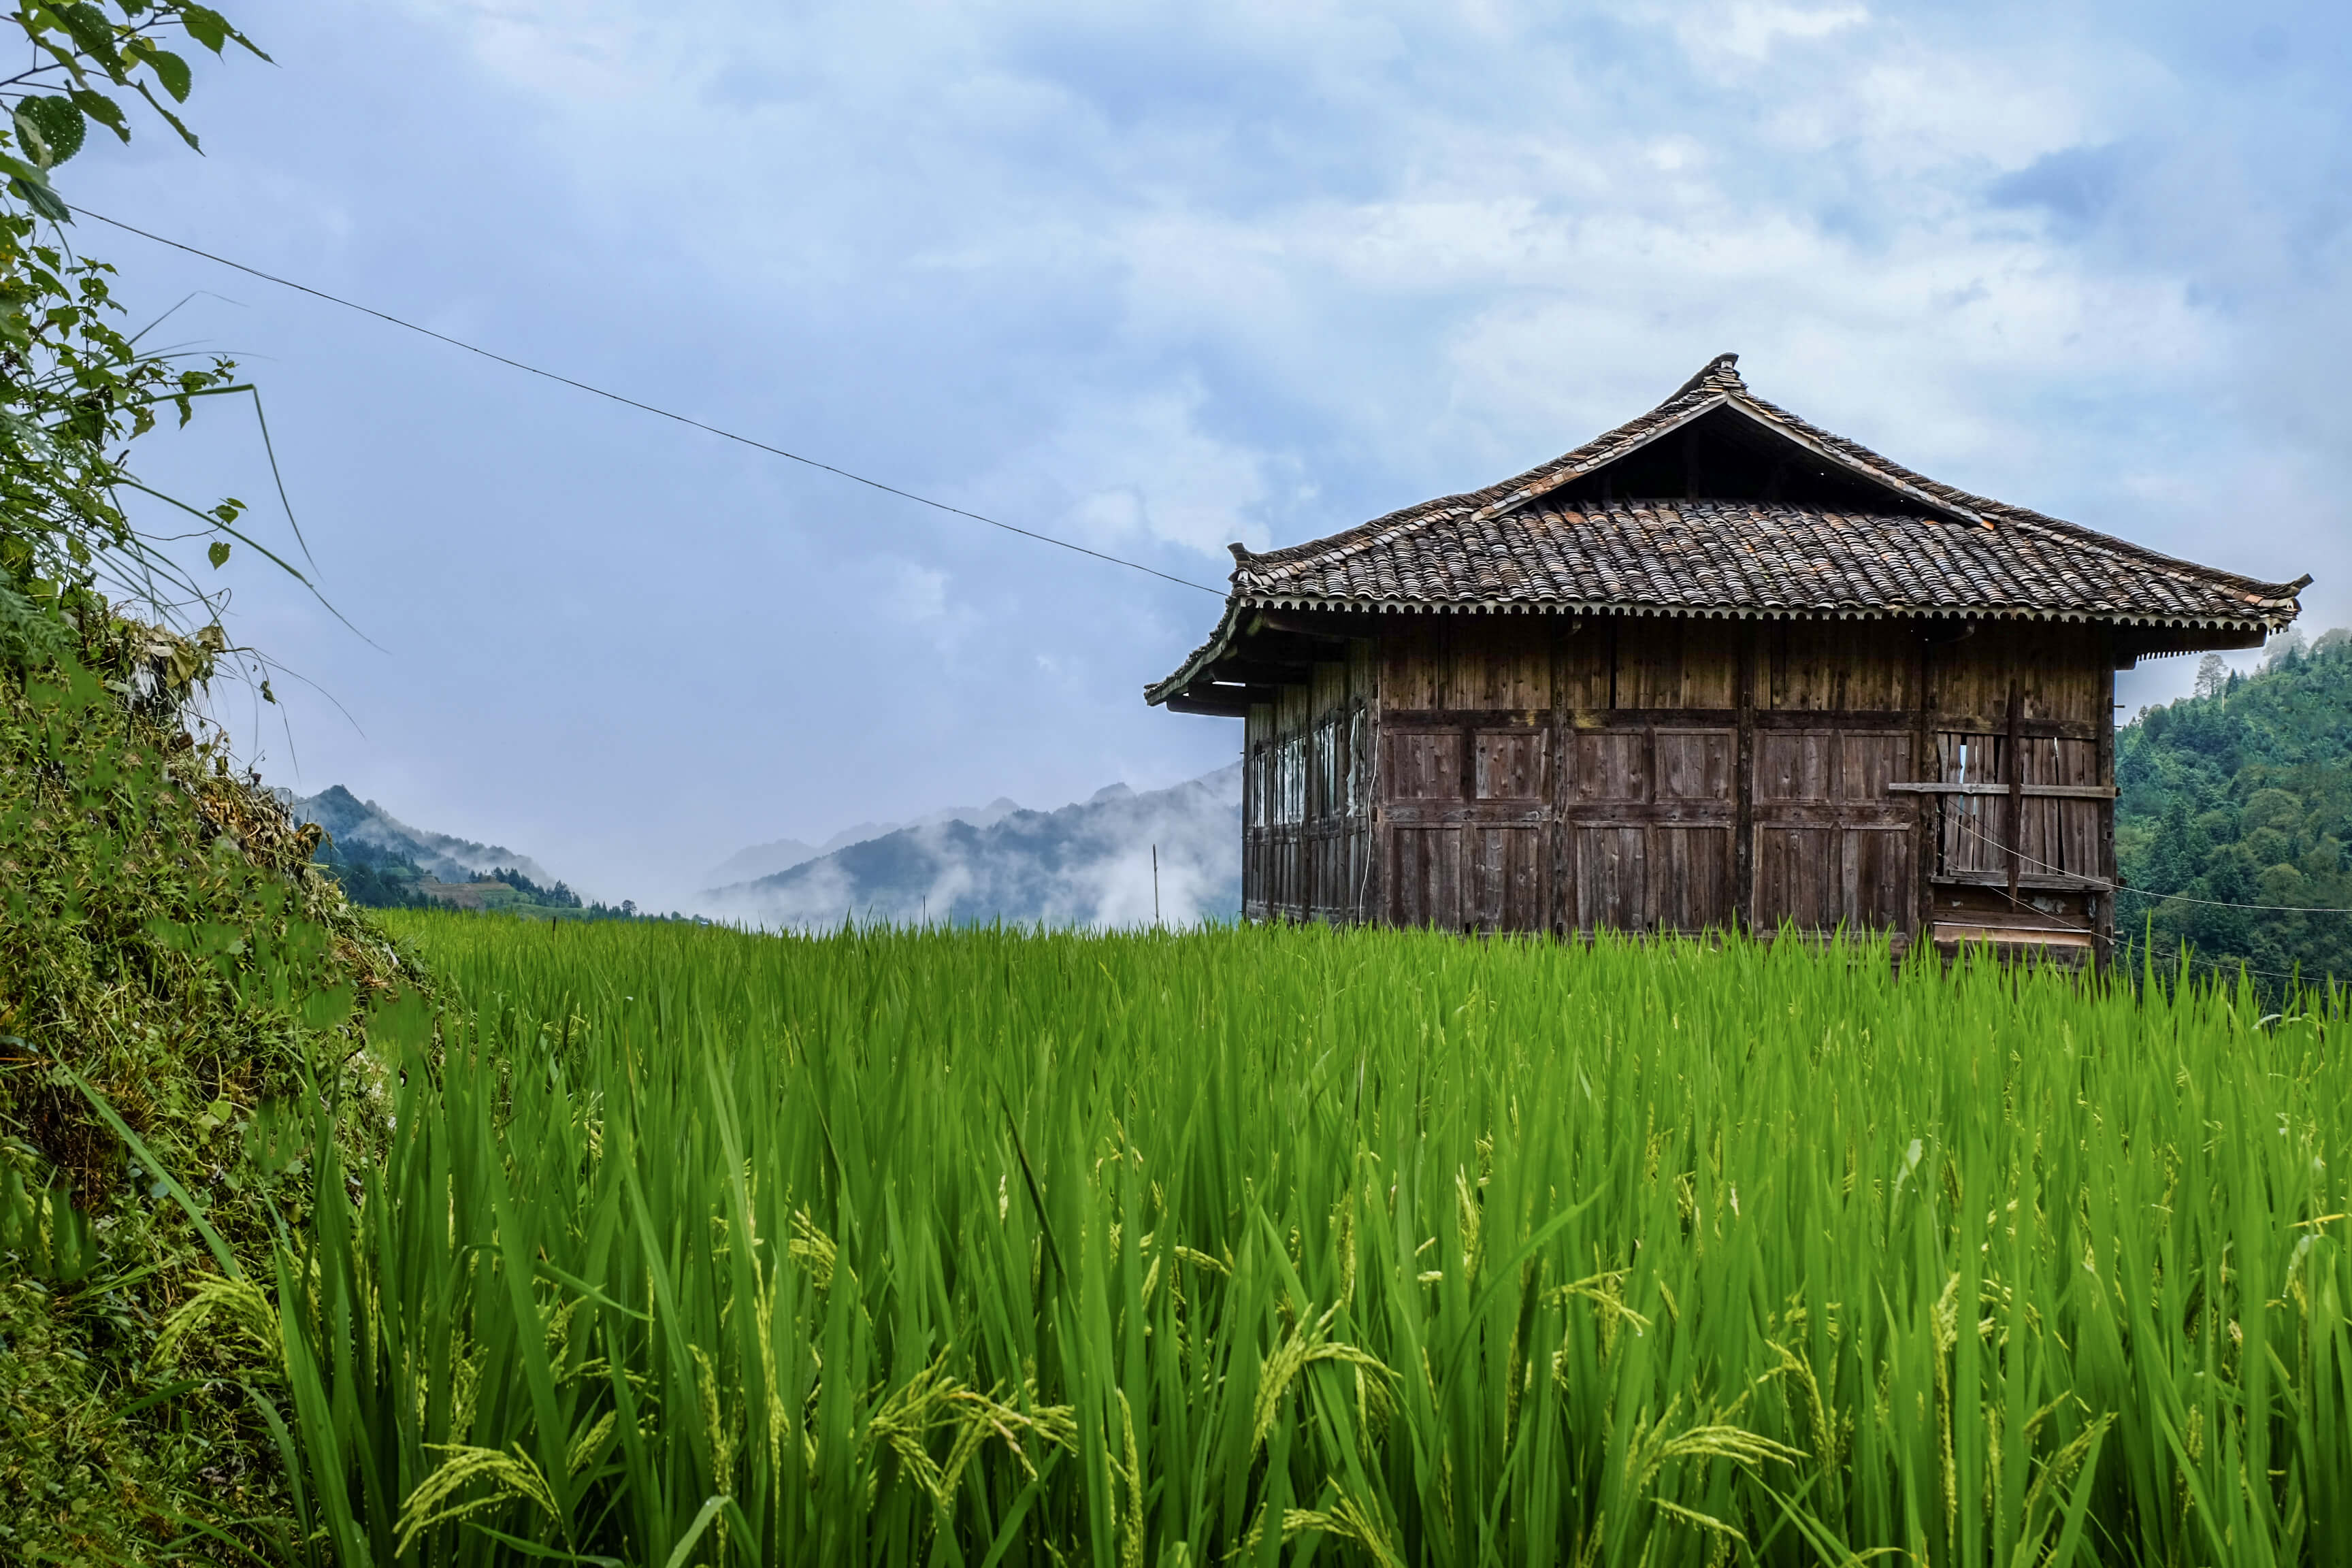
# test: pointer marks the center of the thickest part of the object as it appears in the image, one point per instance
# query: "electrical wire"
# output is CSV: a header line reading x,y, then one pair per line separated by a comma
x,y
2093,884
2219,965
645,408
2012,898
2191,958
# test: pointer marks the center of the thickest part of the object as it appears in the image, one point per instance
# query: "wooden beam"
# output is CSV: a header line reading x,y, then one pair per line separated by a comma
x,y
1260,672
2041,882
1334,625
1211,707
2046,792
1904,719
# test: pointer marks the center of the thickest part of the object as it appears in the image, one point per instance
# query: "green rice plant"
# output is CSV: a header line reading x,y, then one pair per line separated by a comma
x,y
1248,1246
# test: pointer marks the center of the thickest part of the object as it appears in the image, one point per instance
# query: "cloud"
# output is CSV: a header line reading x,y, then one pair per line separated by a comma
x,y
1158,276
1125,470
2076,185
1750,30
1117,860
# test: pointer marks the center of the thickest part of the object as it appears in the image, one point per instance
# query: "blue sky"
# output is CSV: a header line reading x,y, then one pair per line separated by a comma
x,y
1155,277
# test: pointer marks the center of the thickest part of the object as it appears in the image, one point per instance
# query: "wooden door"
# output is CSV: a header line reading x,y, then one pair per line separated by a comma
x,y
1646,828
1833,845
1469,814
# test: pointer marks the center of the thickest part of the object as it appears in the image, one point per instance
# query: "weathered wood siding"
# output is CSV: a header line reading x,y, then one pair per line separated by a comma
x,y
2035,706
1306,794
1656,774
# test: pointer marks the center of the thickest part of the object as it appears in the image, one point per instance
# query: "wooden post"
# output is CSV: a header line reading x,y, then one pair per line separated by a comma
x,y
2103,925
1249,812
1563,915
2016,783
1375,895
1928,767
1743,782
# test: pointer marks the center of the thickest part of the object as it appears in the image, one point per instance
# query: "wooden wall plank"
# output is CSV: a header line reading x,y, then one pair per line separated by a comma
x,y
1424,765
1328,690
1583,667
1743,777
1511,764
1794,767
1695,765
1611,878
1880,877
1503,879
1690,877
2059,668
1797,875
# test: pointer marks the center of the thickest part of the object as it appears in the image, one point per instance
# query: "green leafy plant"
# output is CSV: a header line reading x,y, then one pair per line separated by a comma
x,y
75,386
172,970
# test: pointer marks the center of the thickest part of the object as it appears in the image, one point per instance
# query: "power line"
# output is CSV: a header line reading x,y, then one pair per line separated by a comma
x,y
2221,965
2218,904
2095,885
645,407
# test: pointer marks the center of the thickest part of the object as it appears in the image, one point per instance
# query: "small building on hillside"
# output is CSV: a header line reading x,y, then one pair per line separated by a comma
x,y
1717,669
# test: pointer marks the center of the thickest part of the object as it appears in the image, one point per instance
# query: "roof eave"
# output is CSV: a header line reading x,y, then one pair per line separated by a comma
x,y
1208,653
2267,616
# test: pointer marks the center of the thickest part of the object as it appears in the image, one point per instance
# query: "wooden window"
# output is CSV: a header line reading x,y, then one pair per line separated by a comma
x,y
1290,781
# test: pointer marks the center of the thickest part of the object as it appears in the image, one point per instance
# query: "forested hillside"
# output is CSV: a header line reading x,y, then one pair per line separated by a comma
x,y
383,863
2243,795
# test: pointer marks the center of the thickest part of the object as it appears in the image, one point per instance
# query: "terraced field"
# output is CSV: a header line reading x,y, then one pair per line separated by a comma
x,y
977,1247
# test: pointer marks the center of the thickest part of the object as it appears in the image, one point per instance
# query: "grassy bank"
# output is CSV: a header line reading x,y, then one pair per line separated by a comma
x,y
980,1248
170,978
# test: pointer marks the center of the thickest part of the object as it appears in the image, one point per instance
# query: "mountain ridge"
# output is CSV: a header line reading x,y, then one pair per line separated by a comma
x,y
779,855
355,825
1089,863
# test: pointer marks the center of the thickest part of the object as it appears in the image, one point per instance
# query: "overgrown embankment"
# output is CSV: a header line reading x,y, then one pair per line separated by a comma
x,y
166,949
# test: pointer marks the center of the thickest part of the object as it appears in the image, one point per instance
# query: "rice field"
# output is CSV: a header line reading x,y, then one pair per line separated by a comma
x,y
1243,1245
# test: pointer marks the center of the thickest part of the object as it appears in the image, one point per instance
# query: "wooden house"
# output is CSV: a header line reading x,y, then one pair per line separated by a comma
x,y
1716,668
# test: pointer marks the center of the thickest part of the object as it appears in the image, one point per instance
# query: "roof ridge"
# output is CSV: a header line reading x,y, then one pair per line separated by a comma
x,y
1719,383
1720,374
2074,533
1719,378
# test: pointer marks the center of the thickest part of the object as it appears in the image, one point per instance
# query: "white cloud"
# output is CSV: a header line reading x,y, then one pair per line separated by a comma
x,y
1748,29
1157,276
1142,469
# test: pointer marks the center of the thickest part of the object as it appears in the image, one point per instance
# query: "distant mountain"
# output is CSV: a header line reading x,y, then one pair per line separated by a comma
x,y
1089,864
384,864
784,854
364,830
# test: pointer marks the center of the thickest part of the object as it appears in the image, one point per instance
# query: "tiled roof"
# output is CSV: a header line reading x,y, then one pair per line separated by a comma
x,y
1931,550
1749,557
